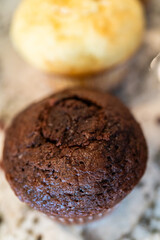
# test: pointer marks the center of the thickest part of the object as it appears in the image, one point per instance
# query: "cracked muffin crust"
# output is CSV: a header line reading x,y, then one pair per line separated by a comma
x,y
75,154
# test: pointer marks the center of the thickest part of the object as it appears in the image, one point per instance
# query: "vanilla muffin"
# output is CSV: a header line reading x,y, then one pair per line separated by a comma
x,y
77,38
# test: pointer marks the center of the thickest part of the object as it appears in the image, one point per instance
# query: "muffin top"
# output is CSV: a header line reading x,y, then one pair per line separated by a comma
x,y
77,37
75,154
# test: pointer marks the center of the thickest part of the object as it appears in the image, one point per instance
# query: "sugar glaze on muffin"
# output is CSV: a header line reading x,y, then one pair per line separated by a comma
x,y
75,154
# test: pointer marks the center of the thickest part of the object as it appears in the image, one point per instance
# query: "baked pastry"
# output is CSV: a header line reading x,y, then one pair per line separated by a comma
x,y
74,155
77,38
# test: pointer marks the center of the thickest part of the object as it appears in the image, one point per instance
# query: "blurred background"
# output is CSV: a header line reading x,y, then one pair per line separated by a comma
x,y
138,216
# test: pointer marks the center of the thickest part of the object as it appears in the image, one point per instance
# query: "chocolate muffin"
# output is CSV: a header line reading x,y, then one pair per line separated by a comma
x,y
74,155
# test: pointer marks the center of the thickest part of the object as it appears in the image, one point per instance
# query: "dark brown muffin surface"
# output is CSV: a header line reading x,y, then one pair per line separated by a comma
x,y
75,154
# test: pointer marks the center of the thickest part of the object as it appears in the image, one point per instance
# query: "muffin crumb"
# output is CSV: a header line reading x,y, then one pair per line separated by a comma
x,y
39,237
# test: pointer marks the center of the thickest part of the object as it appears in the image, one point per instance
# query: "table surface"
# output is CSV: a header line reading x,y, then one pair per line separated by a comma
x,y
138,216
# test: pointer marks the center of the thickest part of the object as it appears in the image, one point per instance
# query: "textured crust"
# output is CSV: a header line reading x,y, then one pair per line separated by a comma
x,y
75,154
77,37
